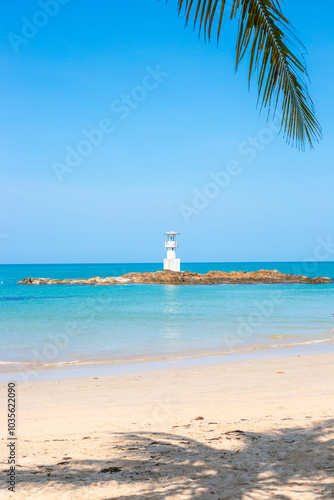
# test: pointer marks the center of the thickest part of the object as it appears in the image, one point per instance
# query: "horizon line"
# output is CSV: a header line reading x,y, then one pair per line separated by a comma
x,y
160,263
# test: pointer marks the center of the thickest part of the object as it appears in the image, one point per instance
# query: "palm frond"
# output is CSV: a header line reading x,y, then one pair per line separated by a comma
x,y
275,55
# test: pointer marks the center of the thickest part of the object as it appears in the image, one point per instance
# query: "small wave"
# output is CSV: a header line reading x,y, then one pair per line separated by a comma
x,y
167,357
4,299
278,336
60,363
15,363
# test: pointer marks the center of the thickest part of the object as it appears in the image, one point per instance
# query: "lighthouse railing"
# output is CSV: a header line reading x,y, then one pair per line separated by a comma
x,y
171,244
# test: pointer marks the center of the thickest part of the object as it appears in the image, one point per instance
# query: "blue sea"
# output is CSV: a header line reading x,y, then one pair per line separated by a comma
x,y
57,326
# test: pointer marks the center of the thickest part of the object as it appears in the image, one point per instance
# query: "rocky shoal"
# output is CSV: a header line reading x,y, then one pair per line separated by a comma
x,y
185,278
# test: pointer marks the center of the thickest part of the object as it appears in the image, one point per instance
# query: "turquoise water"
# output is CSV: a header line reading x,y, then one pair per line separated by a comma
x,y
63,325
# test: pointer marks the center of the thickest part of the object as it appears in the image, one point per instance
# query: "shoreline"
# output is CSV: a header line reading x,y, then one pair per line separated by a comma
x,y
257,428
76,368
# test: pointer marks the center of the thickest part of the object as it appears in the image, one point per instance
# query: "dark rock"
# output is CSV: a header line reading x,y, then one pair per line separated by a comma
x,y
111,470
186,278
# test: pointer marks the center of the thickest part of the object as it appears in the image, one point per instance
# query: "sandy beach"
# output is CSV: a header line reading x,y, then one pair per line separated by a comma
x,y
167,250
256,429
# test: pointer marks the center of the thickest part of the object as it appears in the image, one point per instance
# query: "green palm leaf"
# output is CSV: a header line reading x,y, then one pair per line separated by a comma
x,y
275,56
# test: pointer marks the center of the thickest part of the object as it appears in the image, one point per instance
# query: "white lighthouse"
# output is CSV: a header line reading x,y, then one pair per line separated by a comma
x,y
171,263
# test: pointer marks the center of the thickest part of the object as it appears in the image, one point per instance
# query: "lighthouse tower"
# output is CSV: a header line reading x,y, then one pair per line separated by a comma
x,y
171,263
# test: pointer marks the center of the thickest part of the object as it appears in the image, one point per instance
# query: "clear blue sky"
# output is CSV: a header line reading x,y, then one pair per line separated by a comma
x,y
138,182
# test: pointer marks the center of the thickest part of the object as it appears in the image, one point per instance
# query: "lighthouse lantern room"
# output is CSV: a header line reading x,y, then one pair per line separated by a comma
x,y
171,263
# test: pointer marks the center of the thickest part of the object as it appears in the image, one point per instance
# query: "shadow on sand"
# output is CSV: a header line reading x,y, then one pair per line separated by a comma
x,y
295,462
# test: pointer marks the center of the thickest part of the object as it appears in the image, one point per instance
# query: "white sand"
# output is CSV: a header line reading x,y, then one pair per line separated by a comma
x,y
267,433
